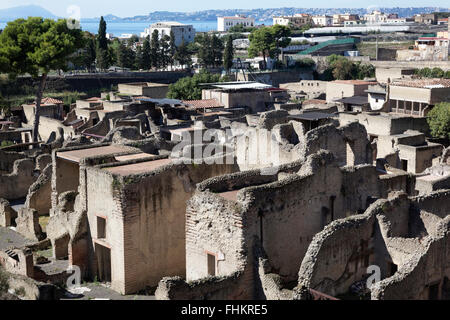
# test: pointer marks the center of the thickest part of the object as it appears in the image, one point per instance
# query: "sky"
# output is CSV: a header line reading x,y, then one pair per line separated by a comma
x,y
127,8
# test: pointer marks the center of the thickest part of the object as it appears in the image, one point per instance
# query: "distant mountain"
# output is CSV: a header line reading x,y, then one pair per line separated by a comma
x,y
24,12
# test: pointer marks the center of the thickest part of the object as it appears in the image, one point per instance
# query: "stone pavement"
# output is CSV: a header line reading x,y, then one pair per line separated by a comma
x,y
100,291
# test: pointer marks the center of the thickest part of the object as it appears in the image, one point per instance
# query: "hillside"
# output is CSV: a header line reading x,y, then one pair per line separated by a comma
x,y
24,12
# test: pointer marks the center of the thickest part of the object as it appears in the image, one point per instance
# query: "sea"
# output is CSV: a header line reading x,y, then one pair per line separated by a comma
x,y
121,28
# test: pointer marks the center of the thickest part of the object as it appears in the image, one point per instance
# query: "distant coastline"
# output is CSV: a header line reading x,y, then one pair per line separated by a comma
x,y
118,28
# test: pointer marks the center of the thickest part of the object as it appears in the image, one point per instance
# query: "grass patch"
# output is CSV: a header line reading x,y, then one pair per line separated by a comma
x,y
47,253
43,221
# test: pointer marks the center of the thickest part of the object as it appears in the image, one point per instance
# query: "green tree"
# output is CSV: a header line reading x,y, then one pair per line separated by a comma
x,y
172,48
125,56
182,55
216,49
132,40
146,54
138,61
439,120
261,42
90,53
343,69
103,54
228,54
165,51
155,50
36,46
281,37
188,88
437,73
205,53
365,70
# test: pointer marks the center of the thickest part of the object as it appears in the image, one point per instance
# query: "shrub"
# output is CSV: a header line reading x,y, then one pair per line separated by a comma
x,y
439,120
188,88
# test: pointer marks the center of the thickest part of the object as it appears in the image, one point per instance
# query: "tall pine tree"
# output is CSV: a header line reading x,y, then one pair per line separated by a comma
x,y
182,55
172,48
155,50
103,60
146,54
228,54
138,62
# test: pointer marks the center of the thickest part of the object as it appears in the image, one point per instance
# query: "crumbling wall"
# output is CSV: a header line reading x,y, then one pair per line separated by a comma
x,y
408,233
348,143
7,214
336,256
211,288
28,224
15,185
17,261
427,268
39,194
7,160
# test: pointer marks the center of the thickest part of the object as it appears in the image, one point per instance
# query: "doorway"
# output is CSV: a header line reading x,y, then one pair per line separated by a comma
x,y
211,264
404,165
103,263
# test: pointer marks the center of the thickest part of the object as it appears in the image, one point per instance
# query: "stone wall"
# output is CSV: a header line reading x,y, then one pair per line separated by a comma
x,y
39,194
7,160
145,219
408,233
15,185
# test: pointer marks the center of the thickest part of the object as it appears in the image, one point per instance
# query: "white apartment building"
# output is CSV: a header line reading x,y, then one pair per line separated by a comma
x,y
378,17
180,31
225,23
322,20
375,17
296,20
339,19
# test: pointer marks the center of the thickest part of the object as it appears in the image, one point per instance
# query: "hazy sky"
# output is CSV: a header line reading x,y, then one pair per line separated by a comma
x,y
126,8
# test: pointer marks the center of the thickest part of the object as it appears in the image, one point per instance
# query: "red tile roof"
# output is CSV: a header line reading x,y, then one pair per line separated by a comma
x,y
201,104
51,101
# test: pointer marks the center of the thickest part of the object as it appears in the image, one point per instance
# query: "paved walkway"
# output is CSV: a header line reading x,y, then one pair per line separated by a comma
x,y
100,291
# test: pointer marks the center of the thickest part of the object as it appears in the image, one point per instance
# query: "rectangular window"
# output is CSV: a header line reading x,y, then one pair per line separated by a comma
x,y
211,264
101,228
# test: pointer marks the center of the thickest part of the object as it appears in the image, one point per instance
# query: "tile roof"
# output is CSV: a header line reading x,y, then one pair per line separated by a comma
x,y
51,101
201,104
423,83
